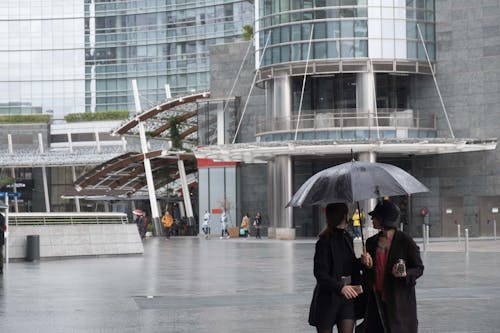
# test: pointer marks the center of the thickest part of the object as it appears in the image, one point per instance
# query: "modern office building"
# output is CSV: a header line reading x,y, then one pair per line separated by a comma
x,y
412,83
64,56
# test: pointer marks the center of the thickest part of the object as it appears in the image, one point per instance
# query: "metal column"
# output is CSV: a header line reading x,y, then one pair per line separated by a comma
x,y
185,192
44,176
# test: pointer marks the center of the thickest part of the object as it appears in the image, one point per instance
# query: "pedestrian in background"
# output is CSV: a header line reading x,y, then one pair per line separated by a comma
x,y
392,265
206,224
167,221
3,228
337,274
244,225
257,223
223,225
356,223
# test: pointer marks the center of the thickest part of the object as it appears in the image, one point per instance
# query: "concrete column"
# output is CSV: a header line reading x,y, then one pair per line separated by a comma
x,y
77,200
368,205
282,194
366,99
282,100
220,127
271,209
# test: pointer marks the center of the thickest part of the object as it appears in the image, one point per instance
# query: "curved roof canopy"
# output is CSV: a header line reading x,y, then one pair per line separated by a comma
x,y
125,174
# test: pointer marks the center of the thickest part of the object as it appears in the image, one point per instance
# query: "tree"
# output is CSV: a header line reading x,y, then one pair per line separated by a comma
x,y
174,133
247,32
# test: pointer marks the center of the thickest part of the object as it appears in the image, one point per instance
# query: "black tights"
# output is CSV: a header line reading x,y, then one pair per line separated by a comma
x,y
344,326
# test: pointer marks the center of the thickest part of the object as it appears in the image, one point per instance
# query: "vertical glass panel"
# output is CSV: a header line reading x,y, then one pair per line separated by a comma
x,y
306,52
375,48
306,31
285,34
275,36
361,48
347,29
388,49
429,4
429,32
400,49
387,12
412,50
400,29
320,30
411,30
320,3
285,53
361,28
421,51
296,33
296,52
276,55
330,3
347,49
333,50
374,29
388,29
374,12
320,50
333,29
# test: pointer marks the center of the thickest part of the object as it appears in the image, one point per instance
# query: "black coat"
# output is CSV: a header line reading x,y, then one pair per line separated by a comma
x,y
327,298
2,228
400,303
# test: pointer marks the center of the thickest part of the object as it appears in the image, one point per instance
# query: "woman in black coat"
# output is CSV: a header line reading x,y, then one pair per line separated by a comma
x,y
391,301
336,270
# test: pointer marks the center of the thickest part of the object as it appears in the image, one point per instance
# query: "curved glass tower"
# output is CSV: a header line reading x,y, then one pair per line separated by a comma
x,y
64,56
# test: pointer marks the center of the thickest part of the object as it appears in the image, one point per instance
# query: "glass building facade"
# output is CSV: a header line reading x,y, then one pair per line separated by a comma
x,y
344,29
64,56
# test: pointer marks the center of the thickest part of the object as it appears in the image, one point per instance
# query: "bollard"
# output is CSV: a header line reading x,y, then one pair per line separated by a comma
x,y
467,241
401,226
427,228
423,237
458,232
495,229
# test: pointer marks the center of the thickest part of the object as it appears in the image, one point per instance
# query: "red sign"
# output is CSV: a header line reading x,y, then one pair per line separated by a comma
x,y
424,212
216,210
209,163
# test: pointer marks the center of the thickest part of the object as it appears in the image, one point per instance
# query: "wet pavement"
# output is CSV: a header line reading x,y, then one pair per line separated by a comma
x,y
235,285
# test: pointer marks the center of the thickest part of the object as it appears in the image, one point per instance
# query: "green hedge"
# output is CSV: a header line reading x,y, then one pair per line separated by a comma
x,y
24,118
96,116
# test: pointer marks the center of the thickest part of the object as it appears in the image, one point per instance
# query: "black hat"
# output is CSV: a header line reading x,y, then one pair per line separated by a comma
x,y
388,213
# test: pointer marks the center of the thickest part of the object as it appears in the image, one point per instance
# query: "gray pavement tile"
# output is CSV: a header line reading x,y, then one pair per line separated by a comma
x,y
235,285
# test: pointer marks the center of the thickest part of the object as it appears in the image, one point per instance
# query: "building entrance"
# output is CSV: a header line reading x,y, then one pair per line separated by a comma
x,y
452,214
488,213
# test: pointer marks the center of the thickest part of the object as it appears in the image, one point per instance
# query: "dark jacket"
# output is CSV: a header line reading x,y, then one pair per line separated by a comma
x,y
327,298
2,229
400,303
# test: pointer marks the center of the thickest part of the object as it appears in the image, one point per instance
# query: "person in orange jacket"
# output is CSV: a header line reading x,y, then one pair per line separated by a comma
x,y
167,221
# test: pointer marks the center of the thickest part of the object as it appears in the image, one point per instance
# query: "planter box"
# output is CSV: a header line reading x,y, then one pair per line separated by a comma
x,y
234,232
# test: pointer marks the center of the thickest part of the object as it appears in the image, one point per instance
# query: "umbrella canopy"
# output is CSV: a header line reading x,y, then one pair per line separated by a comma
x,y
355,181
138,212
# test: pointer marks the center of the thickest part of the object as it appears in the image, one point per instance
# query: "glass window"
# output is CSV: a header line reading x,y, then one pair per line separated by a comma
x,y
361,28
296,33
320,30
347,49
361,48
285,34
412,50
306,53
275,36
400,49
388,49
388,29
399,30
333,29
306,31
347,29
411,30
296,54
285,53
333,50
332,3
320,50
275,55
375,48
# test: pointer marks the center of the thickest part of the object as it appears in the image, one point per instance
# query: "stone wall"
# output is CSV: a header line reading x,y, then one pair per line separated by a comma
x,y
76,240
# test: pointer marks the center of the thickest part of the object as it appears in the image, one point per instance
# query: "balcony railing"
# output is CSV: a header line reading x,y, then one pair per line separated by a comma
x,y
347,123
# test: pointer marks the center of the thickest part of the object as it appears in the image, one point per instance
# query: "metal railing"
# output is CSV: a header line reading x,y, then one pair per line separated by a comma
x,y
66,218
339,119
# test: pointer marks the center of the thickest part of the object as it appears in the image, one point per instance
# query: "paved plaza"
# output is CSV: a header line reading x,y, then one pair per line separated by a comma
x,y
235,285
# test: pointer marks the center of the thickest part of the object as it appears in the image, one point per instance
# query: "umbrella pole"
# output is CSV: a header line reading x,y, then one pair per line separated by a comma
x,y
361,225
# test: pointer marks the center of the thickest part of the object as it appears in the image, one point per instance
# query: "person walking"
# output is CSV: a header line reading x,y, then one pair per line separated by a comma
x,y
244,225
257,223
223,225
356,223
392,264
206,224
167,221
3,228
337,274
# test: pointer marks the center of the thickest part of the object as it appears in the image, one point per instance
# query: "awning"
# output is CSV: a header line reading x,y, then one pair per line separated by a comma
x,y
259,152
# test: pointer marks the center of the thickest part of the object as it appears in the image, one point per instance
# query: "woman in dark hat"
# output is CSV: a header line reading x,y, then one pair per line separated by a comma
x,y
337,273
392,265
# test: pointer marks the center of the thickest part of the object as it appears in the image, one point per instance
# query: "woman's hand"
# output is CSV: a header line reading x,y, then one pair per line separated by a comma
x,y
366,259
397,274
349,292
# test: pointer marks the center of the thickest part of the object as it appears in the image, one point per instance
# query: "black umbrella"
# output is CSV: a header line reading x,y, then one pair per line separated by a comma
x,y
355,181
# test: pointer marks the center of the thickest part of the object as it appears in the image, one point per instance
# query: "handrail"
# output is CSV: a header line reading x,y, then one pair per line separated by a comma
x,y
66,218
339,119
